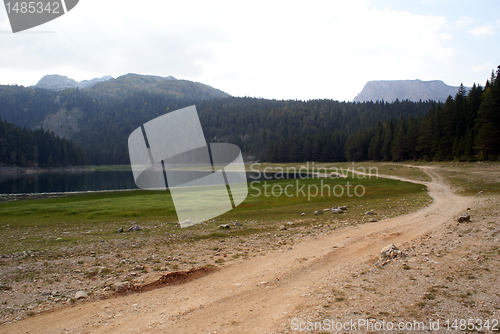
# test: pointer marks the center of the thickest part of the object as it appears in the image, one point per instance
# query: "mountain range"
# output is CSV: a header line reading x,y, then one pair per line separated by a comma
x,y
99,119
378,90
133,83
60,82
413,90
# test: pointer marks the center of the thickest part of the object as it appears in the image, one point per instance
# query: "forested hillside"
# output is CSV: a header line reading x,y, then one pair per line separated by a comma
x,y
465,127
297,129
29,148
281,131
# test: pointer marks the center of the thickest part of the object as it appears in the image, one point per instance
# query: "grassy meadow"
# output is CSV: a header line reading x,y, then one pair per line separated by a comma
x,y
45,224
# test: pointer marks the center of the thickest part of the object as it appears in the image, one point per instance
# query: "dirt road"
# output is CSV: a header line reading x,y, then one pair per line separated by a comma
x,y
257,295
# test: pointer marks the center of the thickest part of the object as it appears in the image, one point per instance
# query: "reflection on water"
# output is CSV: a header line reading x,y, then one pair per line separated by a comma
x,y
66,182
86,181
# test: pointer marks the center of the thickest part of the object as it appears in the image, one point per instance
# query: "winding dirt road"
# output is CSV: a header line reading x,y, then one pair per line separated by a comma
x,y
253,296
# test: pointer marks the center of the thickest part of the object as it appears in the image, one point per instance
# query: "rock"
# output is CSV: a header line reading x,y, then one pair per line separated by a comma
x,y
303,213
46,293
369,213
282,227
388,249
372,220
336,210
237,224
289,223
139,267
465,217
343,208
317,212
481,192
390,252
122,286
120,230
224,226
134,228
81,295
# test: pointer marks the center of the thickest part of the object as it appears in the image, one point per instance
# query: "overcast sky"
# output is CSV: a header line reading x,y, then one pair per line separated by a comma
x,y
271,49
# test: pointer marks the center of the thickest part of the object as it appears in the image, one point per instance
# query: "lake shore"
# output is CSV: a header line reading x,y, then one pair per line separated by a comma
x,y
38,170
9,170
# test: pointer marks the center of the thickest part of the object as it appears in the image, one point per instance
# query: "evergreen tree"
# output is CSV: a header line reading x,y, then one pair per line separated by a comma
x,y
397,149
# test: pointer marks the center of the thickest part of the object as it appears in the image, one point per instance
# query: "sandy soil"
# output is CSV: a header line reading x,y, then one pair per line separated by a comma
x,y
335,274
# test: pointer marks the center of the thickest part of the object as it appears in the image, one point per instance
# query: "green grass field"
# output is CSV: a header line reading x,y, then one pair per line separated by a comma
x,y
88,218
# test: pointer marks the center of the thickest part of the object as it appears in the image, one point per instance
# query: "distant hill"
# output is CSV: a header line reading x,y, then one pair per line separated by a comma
x,y
133,83
413,90
25,147
168,86
60,82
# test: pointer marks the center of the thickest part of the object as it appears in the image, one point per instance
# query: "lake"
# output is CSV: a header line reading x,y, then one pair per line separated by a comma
x,y
58,182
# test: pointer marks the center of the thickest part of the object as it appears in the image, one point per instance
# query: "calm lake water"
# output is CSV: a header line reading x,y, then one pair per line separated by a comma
x,y
66,182
76,182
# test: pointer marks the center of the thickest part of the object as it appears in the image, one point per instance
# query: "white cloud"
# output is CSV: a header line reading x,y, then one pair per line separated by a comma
x,y
463,22
486,30
278,49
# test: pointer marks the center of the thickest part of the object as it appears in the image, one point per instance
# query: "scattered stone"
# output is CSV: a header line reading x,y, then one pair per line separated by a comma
x,y
343,208
336,210
81,295
120,230
224,226
282,227
289,223
372,220
369,213
122,286
139,267
303,213
389,252
237,224
317,212
46,293
481,192
134,228
465,217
